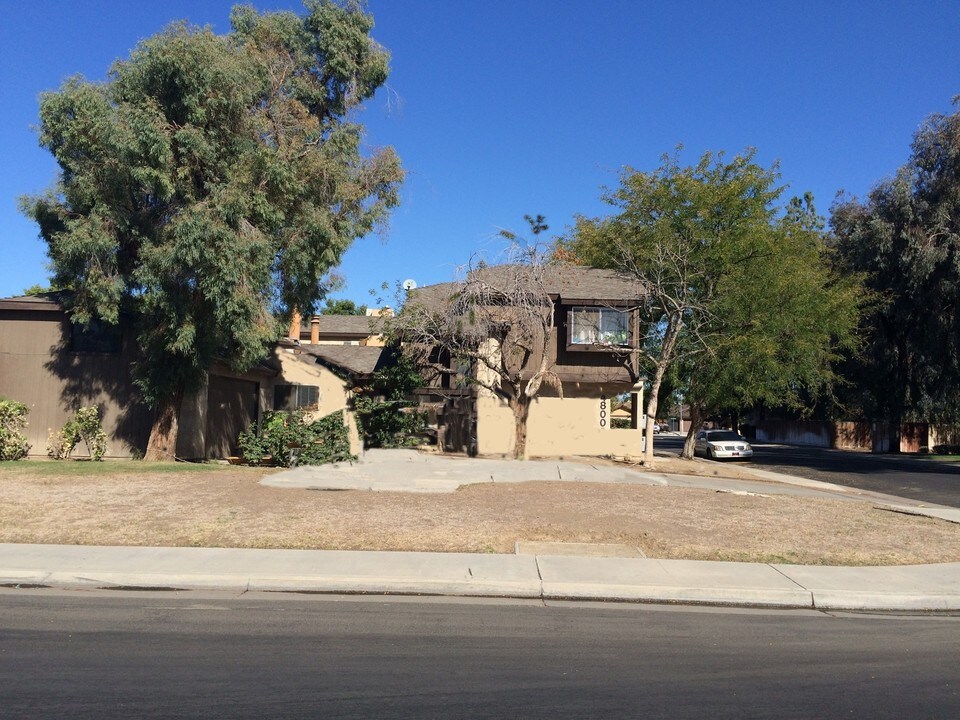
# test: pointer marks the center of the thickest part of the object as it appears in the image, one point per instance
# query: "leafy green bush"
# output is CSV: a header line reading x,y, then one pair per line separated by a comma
x,y
83,425
388,423
385,417
287,439
13,418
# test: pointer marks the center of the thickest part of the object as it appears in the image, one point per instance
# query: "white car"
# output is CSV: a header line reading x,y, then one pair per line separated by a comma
x,y
717,444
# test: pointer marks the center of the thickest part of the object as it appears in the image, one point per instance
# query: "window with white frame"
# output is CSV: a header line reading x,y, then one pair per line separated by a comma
x,y
296,397
599,326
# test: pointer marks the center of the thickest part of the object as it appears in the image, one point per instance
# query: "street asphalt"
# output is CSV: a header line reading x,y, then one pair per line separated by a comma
x,y
547,572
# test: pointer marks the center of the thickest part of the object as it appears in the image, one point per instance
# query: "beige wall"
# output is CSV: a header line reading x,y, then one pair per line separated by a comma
x,y
557,427
334,390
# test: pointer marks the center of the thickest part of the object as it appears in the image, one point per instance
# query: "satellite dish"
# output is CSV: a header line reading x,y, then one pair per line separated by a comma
x,y
409,284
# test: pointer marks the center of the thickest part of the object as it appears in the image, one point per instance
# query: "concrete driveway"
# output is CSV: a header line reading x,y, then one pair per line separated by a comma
x,y
413,471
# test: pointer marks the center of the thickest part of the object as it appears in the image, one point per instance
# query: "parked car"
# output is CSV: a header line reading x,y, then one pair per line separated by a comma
x,y
717,444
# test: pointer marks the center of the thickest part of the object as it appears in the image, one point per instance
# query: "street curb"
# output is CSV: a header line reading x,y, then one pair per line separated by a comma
x,y
540,577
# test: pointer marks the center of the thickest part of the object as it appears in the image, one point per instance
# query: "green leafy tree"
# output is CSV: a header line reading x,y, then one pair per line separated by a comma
x,y
386,415
211,181
705,242
905,237
343,307
38,289
784,321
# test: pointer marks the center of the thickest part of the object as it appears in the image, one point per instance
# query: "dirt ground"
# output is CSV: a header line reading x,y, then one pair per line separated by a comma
x,y
221,506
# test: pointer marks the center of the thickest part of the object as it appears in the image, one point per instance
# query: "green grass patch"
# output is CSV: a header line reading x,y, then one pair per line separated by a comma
x,y
82,468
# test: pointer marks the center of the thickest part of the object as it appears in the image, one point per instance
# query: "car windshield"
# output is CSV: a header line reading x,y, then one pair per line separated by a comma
x,y
723,435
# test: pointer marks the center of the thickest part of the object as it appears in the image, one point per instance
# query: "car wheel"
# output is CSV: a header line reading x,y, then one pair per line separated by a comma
x,y
709,454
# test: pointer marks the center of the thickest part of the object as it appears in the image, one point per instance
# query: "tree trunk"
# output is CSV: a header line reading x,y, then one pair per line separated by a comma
x,y
521,411
696,422
162,444
652,406
663,364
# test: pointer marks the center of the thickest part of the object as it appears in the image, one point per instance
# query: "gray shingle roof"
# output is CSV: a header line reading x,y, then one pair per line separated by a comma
x,y
565,282
43,301
359,325
357,360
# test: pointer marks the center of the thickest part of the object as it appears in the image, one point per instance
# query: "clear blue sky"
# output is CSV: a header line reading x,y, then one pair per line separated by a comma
x,y
505,107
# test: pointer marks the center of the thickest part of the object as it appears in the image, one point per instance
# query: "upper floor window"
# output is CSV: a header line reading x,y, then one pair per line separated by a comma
x,y
599,326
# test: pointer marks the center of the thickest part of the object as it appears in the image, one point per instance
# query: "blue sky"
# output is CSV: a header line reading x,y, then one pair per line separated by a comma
x,y
501,108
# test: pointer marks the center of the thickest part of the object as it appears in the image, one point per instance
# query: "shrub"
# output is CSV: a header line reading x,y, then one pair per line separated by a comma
x,y
946,449
384,415
388,423
13,418
83,425
287,439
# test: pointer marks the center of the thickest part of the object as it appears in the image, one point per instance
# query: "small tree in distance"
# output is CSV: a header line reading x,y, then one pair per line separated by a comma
x,y
343,307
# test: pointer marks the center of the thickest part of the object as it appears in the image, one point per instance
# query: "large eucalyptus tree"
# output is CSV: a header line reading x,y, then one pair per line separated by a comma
x,y
210,181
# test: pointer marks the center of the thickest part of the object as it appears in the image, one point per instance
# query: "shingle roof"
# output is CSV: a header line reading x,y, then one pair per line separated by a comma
x,y
359,325
569,283
43,301
355,359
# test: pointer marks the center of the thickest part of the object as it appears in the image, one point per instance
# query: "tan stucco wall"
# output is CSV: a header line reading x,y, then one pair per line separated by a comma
x,y
556,427
334,391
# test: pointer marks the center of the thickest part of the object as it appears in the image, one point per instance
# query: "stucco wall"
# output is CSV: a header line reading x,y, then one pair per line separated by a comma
x,y
334,390
303,370
557,427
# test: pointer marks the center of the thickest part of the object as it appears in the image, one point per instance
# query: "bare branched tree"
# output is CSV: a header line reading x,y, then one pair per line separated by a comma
x,y
679,295
497,321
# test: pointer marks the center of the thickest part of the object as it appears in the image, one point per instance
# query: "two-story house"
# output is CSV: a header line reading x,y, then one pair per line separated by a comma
x,y
589,359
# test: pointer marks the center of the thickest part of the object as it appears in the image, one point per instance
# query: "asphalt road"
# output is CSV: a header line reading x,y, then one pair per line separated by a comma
x,y
905,476
152,655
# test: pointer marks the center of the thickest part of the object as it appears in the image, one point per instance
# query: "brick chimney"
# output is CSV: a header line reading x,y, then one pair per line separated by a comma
x,y
294,333
314,330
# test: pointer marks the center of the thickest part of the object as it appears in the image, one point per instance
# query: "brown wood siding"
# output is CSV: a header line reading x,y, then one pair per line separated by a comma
x,y
588,365
37,368
233,407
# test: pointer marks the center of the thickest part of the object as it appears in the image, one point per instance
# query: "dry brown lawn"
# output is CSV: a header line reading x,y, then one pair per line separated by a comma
x,y
219,506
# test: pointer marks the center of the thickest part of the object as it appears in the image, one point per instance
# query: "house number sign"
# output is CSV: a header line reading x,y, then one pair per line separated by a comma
x,y
603,411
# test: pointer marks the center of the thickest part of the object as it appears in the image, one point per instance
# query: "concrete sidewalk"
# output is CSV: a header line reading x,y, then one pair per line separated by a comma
x,y
544,572
547,577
